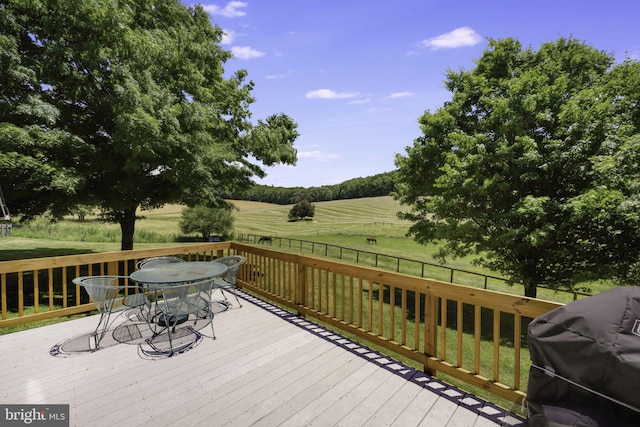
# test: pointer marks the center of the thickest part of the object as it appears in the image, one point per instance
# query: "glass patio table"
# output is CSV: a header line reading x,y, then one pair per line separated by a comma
x,y
159,280
177,273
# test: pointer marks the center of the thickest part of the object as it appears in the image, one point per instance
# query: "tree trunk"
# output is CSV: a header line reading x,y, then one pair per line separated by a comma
x,y
128,227
530,290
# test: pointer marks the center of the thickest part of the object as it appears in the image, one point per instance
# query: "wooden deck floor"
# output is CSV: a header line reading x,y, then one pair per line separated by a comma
x,y
266,368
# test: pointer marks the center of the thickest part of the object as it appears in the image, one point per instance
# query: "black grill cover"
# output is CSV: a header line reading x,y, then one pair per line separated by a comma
x,y
595,343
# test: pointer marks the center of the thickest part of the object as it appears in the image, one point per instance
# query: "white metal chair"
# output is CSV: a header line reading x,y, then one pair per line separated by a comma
x,y
230,277
157,261
181,306
110,294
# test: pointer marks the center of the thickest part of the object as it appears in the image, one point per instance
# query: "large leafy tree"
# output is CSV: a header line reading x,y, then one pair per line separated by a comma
x,y
302,209
511,169
124,104
208,221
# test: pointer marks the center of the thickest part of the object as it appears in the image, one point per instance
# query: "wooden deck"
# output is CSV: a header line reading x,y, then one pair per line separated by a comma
x,y
266,368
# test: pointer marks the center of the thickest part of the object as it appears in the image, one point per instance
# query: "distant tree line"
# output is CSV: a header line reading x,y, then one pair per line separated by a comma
x,y
377,185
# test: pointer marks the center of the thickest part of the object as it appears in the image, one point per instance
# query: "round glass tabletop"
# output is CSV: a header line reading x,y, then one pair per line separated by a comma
x,y
179,272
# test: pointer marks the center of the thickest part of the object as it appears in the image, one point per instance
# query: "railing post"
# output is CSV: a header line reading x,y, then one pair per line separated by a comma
x,y
301,287
430,329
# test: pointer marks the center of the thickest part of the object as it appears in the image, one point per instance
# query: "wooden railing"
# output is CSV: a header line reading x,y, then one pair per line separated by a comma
x,y
474,335
41,288
400,264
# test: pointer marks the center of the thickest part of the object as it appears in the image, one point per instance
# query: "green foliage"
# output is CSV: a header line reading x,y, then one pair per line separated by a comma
x,y
505,170
124,105
208,221
301,210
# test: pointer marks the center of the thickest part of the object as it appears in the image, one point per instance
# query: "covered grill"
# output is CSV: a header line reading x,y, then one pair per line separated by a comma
x,y
586,362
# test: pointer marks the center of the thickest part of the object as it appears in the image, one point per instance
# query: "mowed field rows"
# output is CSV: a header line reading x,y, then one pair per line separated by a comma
x,y
353,216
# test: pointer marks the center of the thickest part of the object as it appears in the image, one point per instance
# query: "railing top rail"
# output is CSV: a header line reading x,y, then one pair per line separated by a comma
x,y
95,258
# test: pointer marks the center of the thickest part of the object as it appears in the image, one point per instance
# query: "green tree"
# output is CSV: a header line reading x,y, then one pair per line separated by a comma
x,y
607,217
208,221
302,209
33,150
123,104
506,171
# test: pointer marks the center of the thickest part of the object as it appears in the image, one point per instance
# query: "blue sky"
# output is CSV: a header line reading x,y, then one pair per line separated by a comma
x,y
357,75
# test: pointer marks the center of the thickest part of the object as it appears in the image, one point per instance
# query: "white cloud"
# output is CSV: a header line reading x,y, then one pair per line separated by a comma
x,y
318,155
360,101
279,76
246,52
231,10
376,110
228,37
463,36
329,94
400,95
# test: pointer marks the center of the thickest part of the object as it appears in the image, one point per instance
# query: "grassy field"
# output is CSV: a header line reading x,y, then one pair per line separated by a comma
x,y
343,218
344,223
355,217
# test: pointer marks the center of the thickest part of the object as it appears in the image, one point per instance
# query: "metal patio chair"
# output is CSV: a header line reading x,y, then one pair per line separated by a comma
x,y
183,306
157,261
230,277
111,295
